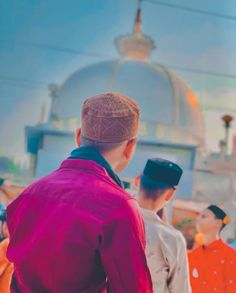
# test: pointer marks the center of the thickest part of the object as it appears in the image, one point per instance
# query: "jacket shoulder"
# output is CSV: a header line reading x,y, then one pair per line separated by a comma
x,y
173,234
170,239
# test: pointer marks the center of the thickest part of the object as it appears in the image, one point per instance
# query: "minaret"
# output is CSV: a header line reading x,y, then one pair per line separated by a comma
x,y
227,119
42,117
54,89
135,46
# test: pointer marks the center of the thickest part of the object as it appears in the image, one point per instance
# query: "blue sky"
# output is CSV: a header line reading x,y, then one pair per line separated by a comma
x,y
31,30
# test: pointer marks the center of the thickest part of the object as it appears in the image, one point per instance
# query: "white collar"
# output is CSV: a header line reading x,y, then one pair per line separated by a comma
x,y
150,215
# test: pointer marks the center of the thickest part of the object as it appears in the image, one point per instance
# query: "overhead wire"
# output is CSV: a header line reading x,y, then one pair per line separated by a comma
x,y
38,84
23,80
192,10
22,85
103,56
53,48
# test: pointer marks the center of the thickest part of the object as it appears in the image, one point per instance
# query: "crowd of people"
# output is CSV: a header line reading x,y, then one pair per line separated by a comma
x,y
78,229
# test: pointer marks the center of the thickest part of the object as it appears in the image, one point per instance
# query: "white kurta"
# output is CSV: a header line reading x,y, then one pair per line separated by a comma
x,y
166,256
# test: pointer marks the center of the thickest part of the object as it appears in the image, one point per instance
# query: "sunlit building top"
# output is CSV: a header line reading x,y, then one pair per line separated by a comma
x,y
170,111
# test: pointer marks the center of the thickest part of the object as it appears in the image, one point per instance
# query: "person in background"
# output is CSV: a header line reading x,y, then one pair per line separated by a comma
x,y
5,195
77,230
166,248
6,268
213,263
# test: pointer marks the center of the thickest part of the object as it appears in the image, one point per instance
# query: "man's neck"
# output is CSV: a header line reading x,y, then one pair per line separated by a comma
x,y
210,237
112,160
148,204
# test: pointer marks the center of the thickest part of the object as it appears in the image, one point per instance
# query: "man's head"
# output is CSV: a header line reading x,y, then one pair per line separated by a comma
x,y
109,123
211,220
159,180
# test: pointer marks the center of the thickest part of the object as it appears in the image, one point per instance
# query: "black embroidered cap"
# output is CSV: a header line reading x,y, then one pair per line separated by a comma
x,y
219,213
163,171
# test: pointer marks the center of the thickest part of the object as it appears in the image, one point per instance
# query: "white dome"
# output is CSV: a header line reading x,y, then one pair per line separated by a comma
x,y
169,109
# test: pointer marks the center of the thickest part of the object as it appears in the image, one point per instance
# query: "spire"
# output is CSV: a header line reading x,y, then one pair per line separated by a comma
x,y
135,46
54,89
42,114
138,23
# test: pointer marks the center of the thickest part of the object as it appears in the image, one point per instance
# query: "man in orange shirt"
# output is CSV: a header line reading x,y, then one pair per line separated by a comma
x,y
6,268
212,265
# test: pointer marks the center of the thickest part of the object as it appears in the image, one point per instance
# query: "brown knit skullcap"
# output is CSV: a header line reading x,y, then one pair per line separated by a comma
x,y
109,117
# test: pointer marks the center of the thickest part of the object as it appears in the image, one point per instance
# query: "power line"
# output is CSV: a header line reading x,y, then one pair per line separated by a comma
x,y
22,85
193,10
102,56
20,82
53,48
39,84
27,81
203,72
207,108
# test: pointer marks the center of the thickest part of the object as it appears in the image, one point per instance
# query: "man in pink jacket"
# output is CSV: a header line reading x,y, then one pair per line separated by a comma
x,y
77,230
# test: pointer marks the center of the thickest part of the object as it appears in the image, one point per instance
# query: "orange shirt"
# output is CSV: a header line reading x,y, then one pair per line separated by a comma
x,y
6,268
213,268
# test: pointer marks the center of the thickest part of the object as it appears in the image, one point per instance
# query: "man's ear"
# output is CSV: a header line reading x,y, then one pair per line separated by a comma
x,y
169,194
130,148
219,223
78,137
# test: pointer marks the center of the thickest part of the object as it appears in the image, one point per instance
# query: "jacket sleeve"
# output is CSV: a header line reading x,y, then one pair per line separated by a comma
x,y
123,252
179,270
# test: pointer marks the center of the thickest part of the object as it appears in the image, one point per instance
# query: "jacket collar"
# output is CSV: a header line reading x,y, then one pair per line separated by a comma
x,y
150,215
91,154
214,246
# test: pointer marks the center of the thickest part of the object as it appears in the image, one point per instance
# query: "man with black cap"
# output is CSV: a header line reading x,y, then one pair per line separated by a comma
x,y
212,264
6,268
166,247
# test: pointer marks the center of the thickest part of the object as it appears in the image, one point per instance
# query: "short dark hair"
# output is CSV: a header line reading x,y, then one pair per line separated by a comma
x,y
151,188
218,213
102,147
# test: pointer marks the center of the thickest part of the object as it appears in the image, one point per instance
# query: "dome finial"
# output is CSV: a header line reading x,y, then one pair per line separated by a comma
x,y
138,21
135,46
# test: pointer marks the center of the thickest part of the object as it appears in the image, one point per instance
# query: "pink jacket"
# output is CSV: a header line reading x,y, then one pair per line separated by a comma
x,y
76,230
